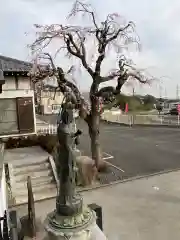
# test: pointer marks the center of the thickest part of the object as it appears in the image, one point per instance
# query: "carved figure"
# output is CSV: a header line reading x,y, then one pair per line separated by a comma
x,y
68,201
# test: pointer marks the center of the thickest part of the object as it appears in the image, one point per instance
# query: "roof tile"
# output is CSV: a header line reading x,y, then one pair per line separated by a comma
x,y
11,64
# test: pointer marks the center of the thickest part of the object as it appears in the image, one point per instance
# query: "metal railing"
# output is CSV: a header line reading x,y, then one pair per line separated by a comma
x,y
47,130
124,119
50,129
135,119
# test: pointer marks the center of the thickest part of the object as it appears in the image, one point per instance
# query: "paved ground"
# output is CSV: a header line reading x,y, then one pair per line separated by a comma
x,y
140,150
136,151
143,209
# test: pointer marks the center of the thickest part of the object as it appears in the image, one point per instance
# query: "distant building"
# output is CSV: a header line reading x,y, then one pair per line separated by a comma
x,y
50,101
17,108
48,98
169,104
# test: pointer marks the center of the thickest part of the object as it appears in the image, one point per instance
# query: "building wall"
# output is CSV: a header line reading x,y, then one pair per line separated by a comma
x,y
18,93
13,94
3,193
49,103
24,83
10,83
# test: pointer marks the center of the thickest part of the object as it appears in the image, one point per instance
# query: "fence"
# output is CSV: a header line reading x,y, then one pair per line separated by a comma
x,y
134,119
51,129
47,130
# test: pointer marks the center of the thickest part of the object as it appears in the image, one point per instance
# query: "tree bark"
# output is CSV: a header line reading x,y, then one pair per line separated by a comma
x,y
94,133
95,140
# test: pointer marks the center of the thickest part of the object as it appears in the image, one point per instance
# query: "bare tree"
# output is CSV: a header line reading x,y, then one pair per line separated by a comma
x,y
109,35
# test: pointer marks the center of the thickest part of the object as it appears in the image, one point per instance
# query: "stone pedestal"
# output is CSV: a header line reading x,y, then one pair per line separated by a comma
x,y
80,227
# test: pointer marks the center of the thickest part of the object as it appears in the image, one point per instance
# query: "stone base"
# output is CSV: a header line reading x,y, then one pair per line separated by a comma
x,y
87,171
80,227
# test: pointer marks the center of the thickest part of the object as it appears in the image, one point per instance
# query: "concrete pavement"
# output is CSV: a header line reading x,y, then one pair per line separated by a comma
x,y
144,209
137,151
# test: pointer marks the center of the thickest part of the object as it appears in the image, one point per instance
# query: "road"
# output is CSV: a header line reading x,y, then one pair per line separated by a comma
x,y
138,150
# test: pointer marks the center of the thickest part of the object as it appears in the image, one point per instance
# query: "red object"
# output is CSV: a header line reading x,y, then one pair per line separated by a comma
x,y
178,108
126,108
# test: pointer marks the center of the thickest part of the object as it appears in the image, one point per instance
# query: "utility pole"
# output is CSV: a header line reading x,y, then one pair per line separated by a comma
x,y
133,91
177,92
160,90
165,93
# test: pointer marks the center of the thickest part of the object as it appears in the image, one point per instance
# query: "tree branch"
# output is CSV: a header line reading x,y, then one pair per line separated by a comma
x,y
69,89
110,77
50,59
83,10
118,32
108,33
78,54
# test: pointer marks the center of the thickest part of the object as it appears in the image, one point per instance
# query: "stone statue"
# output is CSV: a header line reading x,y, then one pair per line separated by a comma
x,y
71,219
68,201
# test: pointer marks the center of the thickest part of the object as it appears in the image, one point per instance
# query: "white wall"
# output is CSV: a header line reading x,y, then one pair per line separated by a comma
x,y
23,83
9,83
16,93
47,100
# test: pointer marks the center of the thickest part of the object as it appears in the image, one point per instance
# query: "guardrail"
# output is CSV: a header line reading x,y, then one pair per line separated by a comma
x,y
134,119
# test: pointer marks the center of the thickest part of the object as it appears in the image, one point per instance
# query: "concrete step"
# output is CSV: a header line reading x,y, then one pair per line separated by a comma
x,y
36,189
31,168
36,182
47,194
29,162
38,174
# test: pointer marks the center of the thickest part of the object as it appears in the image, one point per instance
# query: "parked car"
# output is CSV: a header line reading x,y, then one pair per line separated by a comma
x,y
174,111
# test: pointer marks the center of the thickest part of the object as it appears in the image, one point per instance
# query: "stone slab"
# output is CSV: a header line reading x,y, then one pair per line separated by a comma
x,y
25,155
143,209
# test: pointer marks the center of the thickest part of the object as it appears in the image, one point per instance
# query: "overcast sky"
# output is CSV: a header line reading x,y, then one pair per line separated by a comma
x,y
157,24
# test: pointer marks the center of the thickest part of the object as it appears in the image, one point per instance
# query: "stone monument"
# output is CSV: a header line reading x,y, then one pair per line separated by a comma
x,y
71,220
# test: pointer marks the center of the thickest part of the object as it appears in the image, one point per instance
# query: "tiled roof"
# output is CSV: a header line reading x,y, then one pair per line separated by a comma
x,y
10,64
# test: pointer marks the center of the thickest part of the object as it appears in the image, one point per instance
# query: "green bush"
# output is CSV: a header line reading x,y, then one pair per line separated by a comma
x,y
47,142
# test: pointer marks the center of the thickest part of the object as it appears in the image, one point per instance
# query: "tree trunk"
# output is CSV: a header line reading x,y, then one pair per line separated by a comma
x,y
94,123
95,141
94,133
